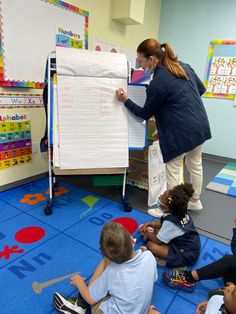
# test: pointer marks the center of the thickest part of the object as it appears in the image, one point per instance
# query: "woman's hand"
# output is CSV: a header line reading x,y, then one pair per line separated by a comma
x,y
121,95
201,308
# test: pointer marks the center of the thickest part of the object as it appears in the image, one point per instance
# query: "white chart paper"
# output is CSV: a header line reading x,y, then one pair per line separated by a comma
x,y
89,63
93,125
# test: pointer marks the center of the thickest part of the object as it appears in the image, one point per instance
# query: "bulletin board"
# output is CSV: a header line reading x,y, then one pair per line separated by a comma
x,y
28,34
220,76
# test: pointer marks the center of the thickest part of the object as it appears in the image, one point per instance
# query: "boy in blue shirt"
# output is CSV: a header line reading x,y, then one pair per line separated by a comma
x,y
123,281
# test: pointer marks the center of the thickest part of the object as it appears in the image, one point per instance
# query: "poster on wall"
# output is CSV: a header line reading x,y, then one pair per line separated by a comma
x,y
27,36
68,38
15,140
220,76
103,45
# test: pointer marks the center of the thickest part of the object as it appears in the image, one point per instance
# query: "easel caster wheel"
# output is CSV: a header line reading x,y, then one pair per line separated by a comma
x,y
47,211
128,208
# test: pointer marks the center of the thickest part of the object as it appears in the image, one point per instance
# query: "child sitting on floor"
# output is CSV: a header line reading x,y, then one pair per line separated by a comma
x,y
123,281
173,239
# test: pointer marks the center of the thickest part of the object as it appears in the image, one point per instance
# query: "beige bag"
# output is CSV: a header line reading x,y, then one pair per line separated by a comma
x,y
156,173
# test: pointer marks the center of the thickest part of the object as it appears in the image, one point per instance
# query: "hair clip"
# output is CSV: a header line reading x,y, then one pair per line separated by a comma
x,y
169,200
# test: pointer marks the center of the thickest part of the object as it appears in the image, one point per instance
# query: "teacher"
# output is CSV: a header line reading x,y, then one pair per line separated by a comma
x,y
174,98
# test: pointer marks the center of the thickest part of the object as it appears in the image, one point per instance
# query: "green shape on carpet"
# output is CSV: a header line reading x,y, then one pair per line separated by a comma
x,y
90,200
226,176
231,166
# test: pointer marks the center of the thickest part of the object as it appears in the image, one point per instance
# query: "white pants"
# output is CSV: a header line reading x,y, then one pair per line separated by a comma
x,y
193,162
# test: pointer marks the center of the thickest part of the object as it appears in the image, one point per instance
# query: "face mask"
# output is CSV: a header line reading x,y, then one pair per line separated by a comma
x,y
160,204
148,71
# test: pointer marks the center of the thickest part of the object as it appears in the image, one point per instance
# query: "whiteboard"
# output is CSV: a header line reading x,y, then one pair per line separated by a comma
x,y
29,34
137,126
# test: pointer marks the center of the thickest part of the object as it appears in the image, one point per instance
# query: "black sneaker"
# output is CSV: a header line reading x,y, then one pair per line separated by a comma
x,y
66,307
219,291
79,301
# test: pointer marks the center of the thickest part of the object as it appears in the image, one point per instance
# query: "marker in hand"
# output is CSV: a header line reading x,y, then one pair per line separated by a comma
x,y
121,92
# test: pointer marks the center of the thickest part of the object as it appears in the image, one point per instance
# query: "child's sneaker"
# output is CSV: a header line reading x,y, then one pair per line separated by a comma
x,y
155,212
68,306
176,279
195,205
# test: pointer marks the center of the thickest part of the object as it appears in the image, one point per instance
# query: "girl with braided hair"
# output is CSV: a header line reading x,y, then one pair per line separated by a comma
x,y
174,98
173,239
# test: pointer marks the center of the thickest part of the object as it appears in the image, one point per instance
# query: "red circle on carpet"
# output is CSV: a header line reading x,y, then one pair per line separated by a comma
x,y
29,235
128,223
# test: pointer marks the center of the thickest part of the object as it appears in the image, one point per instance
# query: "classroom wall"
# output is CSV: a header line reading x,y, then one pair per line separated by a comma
x,y
126,36
102,27
189,26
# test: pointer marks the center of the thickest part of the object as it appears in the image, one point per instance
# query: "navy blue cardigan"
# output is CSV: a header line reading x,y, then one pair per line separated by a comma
x,y
181,118
233,242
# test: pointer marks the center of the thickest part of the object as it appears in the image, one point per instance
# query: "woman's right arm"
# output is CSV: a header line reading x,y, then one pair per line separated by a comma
x,y
154,99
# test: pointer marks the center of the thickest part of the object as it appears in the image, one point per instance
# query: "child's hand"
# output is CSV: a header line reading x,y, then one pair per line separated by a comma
x,y
152,310
201,308
143,228
76,280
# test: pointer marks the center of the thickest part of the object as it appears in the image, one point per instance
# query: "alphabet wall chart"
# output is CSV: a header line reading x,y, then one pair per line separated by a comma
x,y
15,140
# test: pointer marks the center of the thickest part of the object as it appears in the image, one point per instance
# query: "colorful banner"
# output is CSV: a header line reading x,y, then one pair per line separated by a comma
x,y
19,100
15,140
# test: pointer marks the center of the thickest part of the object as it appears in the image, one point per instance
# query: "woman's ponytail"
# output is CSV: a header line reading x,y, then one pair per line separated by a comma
x,y
165,55
170,62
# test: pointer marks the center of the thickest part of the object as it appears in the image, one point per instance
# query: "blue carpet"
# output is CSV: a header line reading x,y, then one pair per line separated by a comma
x,y
39,248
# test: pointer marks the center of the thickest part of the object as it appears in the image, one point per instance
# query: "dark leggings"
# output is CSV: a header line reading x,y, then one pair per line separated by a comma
x,y
224,267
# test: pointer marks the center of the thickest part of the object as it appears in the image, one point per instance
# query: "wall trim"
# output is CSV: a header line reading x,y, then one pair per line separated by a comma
x,y
23,181
218,158
45,174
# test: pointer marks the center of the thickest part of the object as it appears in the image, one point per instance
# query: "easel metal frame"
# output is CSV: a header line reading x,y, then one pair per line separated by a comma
x,y
56,171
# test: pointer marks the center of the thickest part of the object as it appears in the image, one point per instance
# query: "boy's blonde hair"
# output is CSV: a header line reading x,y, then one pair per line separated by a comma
x,y
115,243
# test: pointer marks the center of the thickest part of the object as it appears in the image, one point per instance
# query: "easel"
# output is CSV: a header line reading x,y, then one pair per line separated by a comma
x,y
56,171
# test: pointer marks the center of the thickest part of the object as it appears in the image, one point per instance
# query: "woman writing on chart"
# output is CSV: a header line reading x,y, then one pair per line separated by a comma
x,y
174,98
